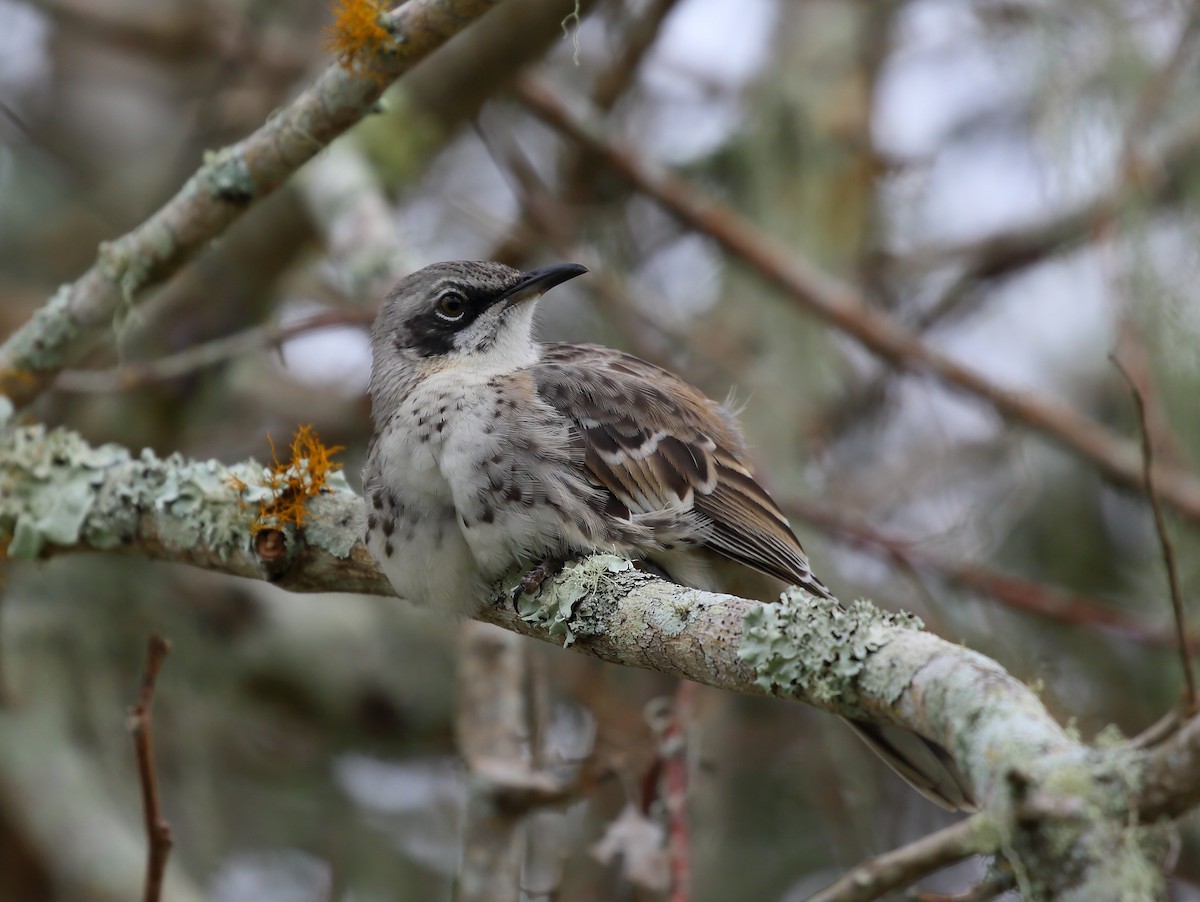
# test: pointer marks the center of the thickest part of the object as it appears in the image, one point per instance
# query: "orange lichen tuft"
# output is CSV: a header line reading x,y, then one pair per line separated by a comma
x,y
356,33
291,484
238,485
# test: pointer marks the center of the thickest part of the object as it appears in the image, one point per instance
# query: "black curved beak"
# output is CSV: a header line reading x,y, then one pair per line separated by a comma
x,y
537,282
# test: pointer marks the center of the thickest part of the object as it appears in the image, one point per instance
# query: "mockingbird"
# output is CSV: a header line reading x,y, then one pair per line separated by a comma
x,y
491,448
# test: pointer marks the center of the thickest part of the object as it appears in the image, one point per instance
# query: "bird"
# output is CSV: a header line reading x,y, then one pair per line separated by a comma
x,y
491,449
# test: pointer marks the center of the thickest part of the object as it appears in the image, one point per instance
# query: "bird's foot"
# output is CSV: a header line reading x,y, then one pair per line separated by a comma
x,y
531,582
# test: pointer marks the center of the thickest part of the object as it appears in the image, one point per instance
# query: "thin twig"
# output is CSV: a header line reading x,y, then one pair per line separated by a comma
x,y
611,83
1043,600
1155,92
158,831
989,888
546,217
1159,731
1164,539
1149,180
1171,779
205,355
900,867
841,305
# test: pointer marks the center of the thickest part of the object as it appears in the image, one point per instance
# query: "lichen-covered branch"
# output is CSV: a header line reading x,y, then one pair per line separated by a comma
x,y
1171,784
1067,815
60,495
224,187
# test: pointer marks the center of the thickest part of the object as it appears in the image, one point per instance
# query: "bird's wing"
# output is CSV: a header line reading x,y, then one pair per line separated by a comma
x,y
658,444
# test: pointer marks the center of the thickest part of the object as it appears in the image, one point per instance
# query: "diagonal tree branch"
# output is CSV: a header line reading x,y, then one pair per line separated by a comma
x,y
221,190
1171,784
840,304
1041,599
1069,817
207,354
901,867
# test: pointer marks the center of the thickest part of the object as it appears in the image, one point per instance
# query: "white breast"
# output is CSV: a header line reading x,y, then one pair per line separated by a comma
x,y
426,558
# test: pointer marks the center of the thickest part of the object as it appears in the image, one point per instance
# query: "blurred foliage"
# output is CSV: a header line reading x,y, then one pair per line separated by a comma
x,y
305,743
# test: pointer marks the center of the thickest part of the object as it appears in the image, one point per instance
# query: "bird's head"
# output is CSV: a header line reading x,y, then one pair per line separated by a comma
x,y
474,314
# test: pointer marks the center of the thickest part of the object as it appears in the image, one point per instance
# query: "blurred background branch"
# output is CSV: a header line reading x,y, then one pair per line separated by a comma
x,y
141,725
220,191
839,303
1006,189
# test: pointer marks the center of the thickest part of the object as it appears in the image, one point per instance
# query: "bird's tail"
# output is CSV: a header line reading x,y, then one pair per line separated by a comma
x,y
924,765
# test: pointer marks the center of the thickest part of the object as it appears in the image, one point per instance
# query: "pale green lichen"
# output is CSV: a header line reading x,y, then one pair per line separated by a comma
x,y
1110,736
670,612
226,175
335,524
126,265
573,15
814,646
1093,847
554,606
56,489
41,344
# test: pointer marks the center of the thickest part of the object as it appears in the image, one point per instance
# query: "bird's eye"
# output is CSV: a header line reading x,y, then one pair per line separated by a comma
x,y
451,306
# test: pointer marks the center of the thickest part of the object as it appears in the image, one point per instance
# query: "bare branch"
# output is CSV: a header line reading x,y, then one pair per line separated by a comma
x,y
1164,539
842,306
229,182
158,831
208,354
981,262
1019,593
901,867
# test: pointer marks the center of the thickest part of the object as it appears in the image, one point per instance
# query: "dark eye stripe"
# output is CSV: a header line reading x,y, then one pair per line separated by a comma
x,y
432,335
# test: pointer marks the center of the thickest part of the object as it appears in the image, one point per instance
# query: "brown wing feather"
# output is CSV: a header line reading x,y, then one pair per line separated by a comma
x,y
656,443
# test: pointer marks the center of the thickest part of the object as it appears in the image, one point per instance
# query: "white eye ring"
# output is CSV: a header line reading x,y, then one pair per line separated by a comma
x,y
451,306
